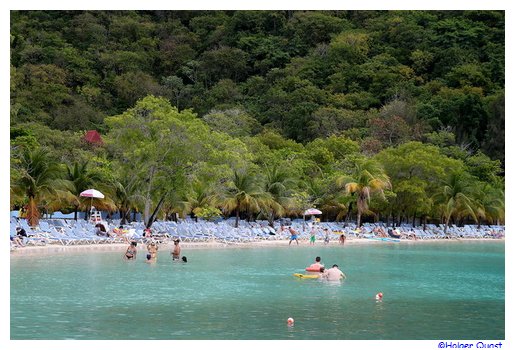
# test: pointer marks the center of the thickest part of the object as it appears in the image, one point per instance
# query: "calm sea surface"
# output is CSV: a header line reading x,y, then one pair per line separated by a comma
x,y
453,290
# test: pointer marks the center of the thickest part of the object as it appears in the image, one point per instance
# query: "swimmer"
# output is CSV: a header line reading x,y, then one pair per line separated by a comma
x,y
316,265
152,250
131,252
150,260
184,259
176,253
333,274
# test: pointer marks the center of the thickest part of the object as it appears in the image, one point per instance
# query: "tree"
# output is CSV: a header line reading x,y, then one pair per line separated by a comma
x,y
39,179
243,193
367,178
279,185
489,204
454,198
202,199
81,178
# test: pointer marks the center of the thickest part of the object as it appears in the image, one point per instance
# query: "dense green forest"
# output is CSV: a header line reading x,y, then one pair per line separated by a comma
x,y
374,115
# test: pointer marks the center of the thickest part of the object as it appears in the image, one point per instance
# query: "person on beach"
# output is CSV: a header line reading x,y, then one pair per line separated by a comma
x,y
20,232
294,235
100,230
176,252
131,252
152,251
147,233
312,235
342,239
17,241
333,274
326,238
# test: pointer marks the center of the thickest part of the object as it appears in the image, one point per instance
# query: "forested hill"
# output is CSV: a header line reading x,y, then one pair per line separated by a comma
x,y
381,78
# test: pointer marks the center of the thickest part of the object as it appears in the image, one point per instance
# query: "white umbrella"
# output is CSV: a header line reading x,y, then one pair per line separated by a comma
x,y
312,211
92,193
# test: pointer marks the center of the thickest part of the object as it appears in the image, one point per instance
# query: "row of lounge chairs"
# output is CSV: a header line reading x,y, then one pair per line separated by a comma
x,y
71,232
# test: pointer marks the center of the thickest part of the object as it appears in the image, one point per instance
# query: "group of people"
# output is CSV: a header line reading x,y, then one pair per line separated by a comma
x,y
152,248
331,274
294,235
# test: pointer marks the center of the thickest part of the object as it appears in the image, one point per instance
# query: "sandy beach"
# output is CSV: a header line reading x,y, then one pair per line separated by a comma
x,y
52,249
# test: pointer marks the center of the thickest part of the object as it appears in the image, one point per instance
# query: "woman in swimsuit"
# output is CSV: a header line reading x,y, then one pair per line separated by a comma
x,y
152,250
176,253
130,254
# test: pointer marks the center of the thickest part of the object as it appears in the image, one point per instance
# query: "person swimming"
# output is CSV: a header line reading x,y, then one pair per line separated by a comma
x,y
131,252
184,259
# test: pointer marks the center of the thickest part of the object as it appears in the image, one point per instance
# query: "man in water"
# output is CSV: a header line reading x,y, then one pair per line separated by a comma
x,y
317,264
333,274
176,252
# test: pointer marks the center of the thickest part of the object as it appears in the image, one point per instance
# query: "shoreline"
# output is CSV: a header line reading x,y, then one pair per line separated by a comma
x,y
53,249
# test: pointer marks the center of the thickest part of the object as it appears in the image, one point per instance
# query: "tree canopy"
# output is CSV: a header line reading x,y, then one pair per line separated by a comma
x,y
192,103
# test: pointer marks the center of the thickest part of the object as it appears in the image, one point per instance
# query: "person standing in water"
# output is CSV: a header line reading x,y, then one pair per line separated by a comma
x,y
333,274
152,251
131,252
176,252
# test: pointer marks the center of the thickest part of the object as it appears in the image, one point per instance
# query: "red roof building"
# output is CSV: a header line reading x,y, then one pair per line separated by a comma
x,y
93,137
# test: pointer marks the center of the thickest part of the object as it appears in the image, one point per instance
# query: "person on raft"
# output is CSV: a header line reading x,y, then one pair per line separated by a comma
x,y
316,266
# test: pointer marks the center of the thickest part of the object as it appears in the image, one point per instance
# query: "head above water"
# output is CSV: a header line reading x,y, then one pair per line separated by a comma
x,y
317,259
149,256
176,241
184,259
335,265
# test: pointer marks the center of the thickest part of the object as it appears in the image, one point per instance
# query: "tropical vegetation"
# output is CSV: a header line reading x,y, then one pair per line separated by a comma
x,y
394,116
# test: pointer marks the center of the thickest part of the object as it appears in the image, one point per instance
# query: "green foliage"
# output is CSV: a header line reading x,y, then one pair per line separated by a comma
x,y
183,96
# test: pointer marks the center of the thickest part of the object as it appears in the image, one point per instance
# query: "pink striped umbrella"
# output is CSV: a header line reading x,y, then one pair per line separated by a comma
x,y
92,193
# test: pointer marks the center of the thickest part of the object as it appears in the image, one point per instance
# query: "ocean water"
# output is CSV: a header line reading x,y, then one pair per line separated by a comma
x,y
452,290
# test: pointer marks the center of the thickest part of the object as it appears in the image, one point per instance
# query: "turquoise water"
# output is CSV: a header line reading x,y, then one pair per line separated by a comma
x,y
454,290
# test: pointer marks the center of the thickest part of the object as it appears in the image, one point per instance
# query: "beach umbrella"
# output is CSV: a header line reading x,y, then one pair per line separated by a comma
x,y
312,211
92,193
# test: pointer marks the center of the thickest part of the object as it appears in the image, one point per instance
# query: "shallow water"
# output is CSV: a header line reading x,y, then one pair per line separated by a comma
x,y
453,290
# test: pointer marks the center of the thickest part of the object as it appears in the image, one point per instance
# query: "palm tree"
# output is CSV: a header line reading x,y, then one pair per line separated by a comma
x,y
454,198
367,178
244,193
39,179
202,196
278,184
81,178
126,195
489,204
